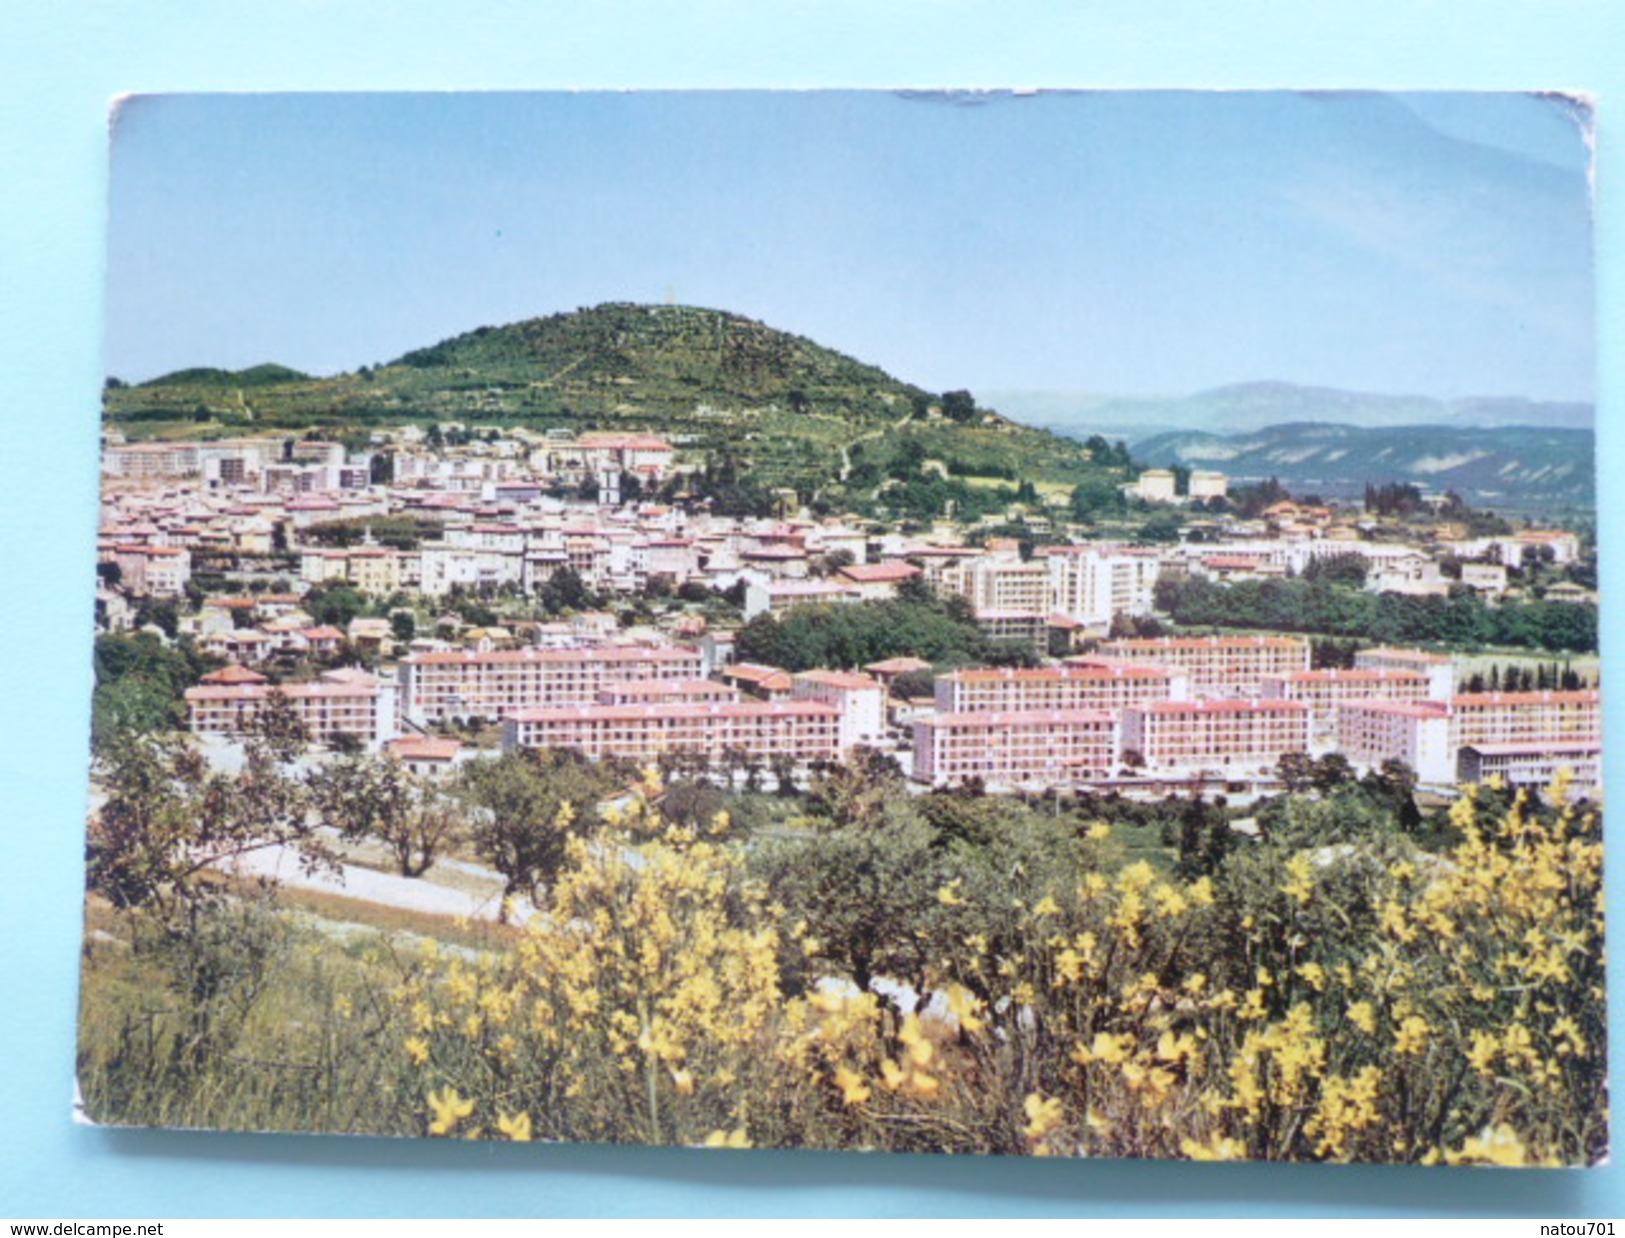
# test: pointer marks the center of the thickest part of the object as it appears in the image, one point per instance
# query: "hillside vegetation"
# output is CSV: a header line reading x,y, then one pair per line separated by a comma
x,y
790,409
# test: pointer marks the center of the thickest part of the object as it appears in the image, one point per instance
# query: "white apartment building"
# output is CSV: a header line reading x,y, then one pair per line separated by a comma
x,y
1004,582
445,564
860,700
1092,584
1439,668
1533,764
1415,732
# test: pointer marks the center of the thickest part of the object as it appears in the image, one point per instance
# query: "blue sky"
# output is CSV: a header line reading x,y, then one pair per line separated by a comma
x,y
1094,242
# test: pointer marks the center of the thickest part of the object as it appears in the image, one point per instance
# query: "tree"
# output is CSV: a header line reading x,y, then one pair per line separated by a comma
x,y
1094,496
523,807
1161,527
1331,772
564,591
140,683
160,613
958,405
335,605
1296,770
857,791
834,561
1345,568
379,798
1395,784
168,819
278,725
403,626
866,891
1205,839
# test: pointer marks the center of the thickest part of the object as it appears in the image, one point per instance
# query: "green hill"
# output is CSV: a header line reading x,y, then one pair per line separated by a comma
x,y
787,409
255,376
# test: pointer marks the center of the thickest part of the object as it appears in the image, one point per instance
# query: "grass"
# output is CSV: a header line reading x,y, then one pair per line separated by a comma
x,y
341,911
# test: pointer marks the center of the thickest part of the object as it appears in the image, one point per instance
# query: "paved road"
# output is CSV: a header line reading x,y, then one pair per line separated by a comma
x,y
480,902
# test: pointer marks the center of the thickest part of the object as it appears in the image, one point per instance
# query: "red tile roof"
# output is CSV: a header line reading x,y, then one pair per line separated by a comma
x,y
846,680
704,709
891,571
424,748
607,653
233,674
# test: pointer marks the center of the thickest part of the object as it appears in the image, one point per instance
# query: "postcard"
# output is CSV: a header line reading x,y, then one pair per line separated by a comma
x,y
1047,623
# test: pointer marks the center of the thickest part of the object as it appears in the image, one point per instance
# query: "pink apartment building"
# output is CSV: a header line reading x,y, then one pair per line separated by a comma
x,y
1047,747
435,686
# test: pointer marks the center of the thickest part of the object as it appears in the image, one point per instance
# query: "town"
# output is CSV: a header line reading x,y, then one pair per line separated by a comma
x,y
445,592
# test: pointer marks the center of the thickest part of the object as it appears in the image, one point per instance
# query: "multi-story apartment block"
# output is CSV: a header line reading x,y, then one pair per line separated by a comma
x,y
1323,691
1046,747
1533,764
374,570
1233,666
1154,486
946,568
445,565
1438,667
1017,627
158,570
1525,717
435,686
860,700
666,691
774,597
1508,730
801,730
148,461
1093,584
1224,736
1004,582
1415,732
344,702
1089,686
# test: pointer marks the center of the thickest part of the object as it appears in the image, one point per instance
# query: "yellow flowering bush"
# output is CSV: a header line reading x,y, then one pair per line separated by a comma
x,y
1359,1001
641,1007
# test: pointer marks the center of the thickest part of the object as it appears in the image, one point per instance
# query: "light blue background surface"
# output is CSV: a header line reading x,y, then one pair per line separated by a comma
x,y
60,65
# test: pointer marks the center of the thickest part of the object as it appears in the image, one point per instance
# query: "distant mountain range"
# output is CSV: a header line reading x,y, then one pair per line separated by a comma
x,y
1245,407
1517,468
